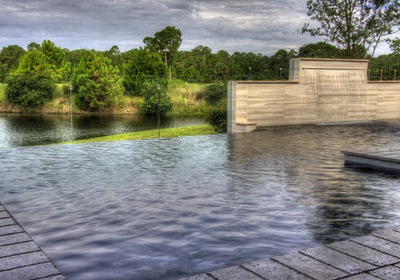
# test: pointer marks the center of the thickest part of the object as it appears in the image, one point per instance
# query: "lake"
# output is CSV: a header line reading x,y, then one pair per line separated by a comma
x,y
26,130
169,208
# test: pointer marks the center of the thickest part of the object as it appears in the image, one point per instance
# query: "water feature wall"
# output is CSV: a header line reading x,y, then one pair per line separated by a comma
x,y
318,91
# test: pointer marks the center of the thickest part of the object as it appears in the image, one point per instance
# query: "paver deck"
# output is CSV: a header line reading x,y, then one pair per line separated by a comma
x,y
387,160
20,257
372,257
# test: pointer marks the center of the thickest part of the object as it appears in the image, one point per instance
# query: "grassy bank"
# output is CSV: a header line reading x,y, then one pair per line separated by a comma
x,y
187,99
2,93
151,134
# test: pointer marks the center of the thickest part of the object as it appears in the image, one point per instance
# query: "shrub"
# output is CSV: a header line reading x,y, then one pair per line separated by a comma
x,y
96,82
29,90
217,117
143,67
215,93
66,90
155,99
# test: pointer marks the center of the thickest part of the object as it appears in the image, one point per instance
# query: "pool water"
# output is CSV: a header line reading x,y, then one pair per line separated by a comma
x,y
170,208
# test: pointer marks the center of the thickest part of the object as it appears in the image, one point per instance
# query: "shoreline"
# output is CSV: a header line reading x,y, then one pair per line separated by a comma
x,y
164,133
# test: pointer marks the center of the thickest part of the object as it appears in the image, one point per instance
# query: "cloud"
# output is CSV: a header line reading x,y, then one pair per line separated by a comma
x,y
259,26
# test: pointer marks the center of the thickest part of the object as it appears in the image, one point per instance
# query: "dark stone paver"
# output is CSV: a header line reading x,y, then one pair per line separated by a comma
x,y
200,277
387,273
26,259
379,244
270,269
339,260
19,248
364,253
234,272
310,267
14,238
372,257
363,276
390,235
6,230
4,214
57,277
20,257
31,272
6,222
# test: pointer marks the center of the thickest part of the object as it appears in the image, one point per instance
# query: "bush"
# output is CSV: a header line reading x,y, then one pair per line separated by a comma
x,y
155,99
66,89
29,90
218,119
215,93
96,82
142,68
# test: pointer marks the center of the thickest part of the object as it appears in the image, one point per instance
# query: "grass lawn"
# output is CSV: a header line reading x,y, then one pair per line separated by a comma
x,y
204,129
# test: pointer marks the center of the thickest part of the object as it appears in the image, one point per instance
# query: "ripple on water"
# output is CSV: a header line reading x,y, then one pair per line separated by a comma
x,y
164,209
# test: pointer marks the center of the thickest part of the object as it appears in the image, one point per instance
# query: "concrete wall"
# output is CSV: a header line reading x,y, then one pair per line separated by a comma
x,y
318,91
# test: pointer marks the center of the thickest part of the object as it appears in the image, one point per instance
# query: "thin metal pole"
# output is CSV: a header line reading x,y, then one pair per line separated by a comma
x,y
70,108
158,113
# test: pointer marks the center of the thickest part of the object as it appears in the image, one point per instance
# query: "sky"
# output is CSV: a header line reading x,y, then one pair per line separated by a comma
x,y
258,26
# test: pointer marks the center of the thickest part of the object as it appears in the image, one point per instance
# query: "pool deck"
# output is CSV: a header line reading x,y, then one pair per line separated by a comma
x,y
20,257
375,256
386,160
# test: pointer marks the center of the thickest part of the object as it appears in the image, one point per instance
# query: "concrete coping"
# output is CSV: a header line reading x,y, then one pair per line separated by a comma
x,y
371,156
246,123
333,68
384,82
269,82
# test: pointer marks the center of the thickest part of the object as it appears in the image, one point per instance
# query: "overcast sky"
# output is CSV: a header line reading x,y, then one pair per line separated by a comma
x,y
258,26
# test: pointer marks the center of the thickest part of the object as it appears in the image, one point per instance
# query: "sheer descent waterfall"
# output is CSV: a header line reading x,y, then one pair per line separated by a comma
x,y
340,95
319,90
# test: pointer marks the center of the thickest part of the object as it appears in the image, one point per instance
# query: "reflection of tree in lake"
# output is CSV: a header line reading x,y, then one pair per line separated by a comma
x,y
32,130
26,130
88,126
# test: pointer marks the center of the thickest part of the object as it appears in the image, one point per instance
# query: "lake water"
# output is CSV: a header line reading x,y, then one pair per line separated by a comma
x,y
26,130
164,209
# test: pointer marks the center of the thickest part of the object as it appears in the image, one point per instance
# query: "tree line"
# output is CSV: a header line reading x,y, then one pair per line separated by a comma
x,y
99,78
199,65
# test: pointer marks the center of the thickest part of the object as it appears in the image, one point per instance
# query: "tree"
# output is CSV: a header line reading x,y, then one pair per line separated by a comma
x,y
96,83
214,93
222,66
9,60
156,100
34,47
114,54
34,62
31,85
321,50
389,64
56,58
143,67
55,55
395,46
279,62
218,118
357,26
167,43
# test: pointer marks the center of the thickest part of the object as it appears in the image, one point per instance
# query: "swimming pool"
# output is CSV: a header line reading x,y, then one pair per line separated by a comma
x,y
164,209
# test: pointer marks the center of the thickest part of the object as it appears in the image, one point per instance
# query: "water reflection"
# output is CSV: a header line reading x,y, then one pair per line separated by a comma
x,y
344,202
162,209
25,130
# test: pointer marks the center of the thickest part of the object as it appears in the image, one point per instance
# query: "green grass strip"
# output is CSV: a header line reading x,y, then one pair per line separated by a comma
x,y
204,129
